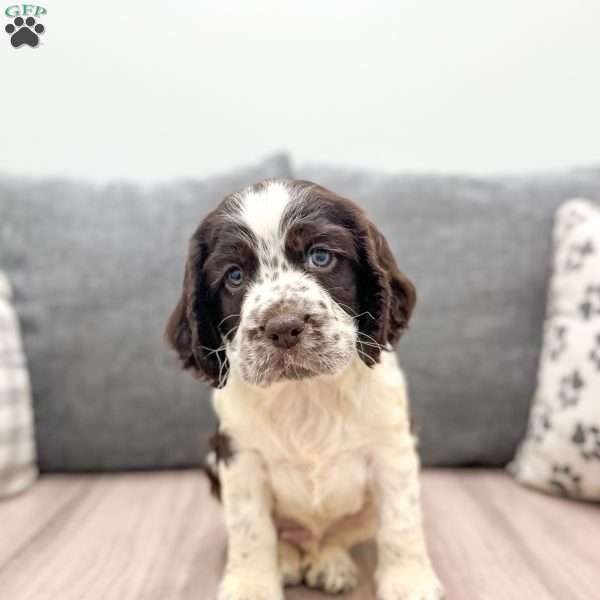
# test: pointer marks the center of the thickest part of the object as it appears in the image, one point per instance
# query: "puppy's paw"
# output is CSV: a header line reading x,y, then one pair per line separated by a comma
x,y
333,571
409,582
290,564
250,586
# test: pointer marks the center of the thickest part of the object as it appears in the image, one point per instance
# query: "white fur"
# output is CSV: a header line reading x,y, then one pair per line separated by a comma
x,y
262,211
330,455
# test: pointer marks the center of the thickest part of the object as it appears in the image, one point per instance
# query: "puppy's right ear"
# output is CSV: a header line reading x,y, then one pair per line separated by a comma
x,y
191,329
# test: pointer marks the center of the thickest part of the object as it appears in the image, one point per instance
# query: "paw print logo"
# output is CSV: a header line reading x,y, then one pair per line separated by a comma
x,y
595,353
557,341
570,388
565,481
576,255
24,31
588,440
590,307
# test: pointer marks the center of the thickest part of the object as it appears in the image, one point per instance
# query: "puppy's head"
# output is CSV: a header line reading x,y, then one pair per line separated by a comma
x,y
287,280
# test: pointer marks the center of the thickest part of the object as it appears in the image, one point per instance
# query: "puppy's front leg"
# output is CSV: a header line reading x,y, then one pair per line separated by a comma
x,y
252,570
403,569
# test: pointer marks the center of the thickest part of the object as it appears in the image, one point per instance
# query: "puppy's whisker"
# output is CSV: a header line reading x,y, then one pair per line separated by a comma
x,y
226,335
365,355
366,312
348,308
370,344
225,319
212,350
222,373
370,338
353,313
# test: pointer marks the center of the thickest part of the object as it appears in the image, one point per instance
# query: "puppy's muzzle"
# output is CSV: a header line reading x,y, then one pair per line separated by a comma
x,y
284,330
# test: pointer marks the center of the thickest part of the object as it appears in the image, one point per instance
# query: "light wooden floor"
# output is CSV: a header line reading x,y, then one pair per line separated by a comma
x,y
159,536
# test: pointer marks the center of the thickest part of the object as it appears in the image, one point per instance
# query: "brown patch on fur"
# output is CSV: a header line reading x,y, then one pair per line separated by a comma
x,y
213,481
220,444
222,447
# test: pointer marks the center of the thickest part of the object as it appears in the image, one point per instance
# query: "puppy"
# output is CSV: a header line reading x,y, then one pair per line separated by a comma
x,y
291,304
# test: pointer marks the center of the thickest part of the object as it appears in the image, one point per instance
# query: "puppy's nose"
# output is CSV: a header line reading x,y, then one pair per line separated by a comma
x,y
284,330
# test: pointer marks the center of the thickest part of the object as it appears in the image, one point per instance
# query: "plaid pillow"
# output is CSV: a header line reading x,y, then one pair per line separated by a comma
x,y
17,451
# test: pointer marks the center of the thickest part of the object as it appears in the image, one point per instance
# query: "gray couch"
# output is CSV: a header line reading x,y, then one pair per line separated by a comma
x,y
96,270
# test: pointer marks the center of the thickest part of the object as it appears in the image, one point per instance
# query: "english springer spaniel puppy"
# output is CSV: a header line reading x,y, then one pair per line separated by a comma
x,y
291,305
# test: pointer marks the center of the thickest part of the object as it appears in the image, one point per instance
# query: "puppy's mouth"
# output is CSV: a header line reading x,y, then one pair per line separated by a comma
x,y
262,364
265,365
289,364
292,346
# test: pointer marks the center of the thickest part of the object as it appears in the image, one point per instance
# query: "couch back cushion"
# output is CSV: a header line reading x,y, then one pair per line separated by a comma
x,y
478,251
96,272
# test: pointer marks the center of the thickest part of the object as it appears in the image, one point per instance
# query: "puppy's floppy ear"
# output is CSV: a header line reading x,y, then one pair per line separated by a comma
x,y
389,296
191,329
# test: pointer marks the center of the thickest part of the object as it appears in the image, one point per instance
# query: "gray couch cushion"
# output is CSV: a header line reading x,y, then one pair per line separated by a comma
x,y
478,250
96,271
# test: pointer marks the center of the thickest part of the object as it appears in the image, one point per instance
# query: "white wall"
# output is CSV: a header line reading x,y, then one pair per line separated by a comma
x,y
150,89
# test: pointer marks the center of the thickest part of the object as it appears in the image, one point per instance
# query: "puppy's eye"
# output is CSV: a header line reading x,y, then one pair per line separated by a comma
x,y
319,257
234,276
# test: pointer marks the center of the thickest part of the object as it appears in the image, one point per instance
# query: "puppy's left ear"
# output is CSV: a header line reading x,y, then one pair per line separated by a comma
x,y
389,299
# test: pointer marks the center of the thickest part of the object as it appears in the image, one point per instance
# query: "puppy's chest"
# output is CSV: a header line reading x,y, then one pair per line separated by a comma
x,y
319,488
318,470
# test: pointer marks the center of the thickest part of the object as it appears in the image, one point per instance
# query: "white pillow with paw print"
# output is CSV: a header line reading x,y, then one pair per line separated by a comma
x,y
561,450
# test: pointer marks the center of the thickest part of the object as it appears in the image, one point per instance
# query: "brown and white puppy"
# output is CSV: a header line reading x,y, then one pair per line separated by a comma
x,y
291,302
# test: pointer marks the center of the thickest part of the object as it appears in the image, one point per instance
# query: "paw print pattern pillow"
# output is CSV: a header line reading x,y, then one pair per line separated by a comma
x,y
561,450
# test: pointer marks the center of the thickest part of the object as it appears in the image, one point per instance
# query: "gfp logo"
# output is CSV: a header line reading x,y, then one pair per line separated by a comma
x,y
24,29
